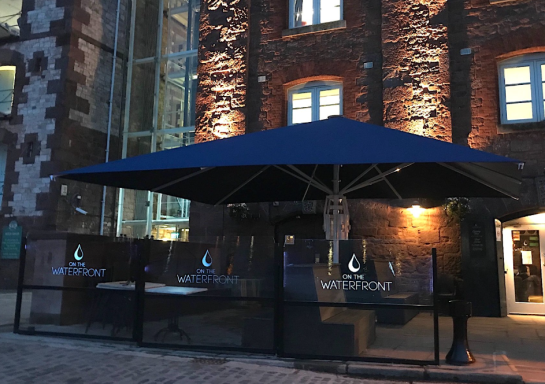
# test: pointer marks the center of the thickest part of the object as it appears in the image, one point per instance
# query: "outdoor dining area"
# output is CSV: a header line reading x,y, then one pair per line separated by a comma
x,y
333,297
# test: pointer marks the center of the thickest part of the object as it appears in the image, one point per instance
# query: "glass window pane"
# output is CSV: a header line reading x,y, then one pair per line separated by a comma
x,y
519,111
7,80
527,266
330,10
145,32
183,16
301,100
515,93
543,72
303,13
329,97
517,75
142,99
329,110
301,115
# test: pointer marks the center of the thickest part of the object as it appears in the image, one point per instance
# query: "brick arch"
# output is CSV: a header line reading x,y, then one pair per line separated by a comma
x,y
17,59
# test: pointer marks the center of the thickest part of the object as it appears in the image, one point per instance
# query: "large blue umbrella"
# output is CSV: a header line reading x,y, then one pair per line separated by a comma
x,y
337,156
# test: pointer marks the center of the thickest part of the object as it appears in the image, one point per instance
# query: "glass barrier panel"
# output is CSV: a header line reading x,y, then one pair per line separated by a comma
x,y
340,332
171,319
363,271
82,261
223,266
97,312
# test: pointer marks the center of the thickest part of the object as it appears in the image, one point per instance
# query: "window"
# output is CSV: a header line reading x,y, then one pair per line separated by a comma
x,y
309,12
522,86
10,11
313,101
7,81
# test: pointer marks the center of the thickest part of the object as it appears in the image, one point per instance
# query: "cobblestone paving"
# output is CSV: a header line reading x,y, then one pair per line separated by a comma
x,y
43,361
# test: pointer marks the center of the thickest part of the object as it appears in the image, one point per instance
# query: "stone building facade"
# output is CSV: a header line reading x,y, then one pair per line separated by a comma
x,y
430,68
63,58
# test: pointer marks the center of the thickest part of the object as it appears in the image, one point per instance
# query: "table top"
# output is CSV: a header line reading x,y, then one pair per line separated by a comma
x,y
151,288
176,290
122,285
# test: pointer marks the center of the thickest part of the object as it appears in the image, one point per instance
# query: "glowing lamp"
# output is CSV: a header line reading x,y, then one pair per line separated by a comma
x,y
527,257
416,210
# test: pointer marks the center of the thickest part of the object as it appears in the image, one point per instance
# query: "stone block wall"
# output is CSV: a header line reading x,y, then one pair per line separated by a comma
x,y
222,70
416,86
59,120
333,54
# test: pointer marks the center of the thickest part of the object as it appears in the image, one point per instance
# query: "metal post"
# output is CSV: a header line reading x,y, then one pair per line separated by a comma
x,y
435,306
336,184
279,299
127,113
155,121
142,248
20,282
110,108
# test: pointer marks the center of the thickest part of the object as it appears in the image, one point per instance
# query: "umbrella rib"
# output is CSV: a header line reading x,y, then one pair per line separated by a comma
x,y
388,182
308,185
170,183
478,180
307,177
306,180
356,179
378,178
243,185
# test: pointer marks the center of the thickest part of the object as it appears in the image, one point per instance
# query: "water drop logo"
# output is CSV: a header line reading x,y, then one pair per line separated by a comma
x,y
354,264
78,254
205,259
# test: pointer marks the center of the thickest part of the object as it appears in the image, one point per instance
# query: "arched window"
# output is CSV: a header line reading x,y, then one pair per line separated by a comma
x,y
310,12
315,100
521,85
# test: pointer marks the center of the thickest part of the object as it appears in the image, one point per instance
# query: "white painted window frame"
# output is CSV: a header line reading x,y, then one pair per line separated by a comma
x,y
316,14
314,87
534,61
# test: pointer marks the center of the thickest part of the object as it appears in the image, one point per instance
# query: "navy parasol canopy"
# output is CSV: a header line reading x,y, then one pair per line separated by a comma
x,y
297,163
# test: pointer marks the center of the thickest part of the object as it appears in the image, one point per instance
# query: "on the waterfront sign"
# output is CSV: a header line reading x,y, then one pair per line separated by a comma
x,y
78,267
355,281
207,275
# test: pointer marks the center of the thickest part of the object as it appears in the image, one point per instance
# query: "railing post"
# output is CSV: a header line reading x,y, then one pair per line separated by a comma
x,y
435,306
20,282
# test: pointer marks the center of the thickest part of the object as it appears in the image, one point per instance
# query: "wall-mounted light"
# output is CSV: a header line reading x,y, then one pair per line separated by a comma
x,y
416,209
527,257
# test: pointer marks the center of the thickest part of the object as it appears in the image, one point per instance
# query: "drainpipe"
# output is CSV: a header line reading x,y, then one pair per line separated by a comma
x,y
110,108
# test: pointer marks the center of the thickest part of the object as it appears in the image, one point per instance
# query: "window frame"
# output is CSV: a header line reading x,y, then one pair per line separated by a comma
x,y
534,62
316,15
314,88
9,67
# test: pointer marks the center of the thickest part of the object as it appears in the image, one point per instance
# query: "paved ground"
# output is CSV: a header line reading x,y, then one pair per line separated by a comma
x,y
27,360
515,344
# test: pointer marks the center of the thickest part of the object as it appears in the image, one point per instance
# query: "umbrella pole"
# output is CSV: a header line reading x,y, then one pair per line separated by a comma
x,y
336,218
336,184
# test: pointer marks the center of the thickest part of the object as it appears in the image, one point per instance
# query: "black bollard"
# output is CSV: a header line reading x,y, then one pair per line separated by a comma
x,y
459,353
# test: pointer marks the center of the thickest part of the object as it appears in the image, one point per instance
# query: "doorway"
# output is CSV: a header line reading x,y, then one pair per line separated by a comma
x,y
524,258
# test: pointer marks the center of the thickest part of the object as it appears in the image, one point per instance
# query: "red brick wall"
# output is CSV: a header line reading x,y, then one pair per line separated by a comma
x,y
333,53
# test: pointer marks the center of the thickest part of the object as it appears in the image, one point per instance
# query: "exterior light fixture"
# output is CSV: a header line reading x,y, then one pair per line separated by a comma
x,y
416,209
527,257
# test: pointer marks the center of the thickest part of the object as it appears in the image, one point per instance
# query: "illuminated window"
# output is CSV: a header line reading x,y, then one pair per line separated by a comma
x,y
522,84
309,12
7,80
316,100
